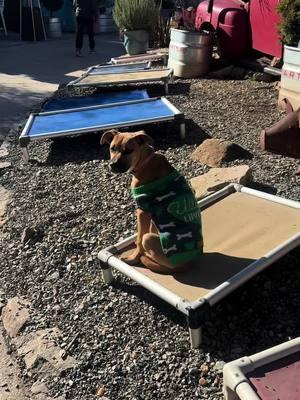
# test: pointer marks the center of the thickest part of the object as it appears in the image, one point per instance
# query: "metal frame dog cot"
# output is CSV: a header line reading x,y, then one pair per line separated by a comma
x,y
117,69
244,231
270,374
149,56
68,122
148,75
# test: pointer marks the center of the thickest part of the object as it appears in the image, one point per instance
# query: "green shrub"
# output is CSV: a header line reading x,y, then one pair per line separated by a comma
x,y
133,15
289,28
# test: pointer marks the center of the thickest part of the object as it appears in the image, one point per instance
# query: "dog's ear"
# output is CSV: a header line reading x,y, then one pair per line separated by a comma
x,y
141,138
108,136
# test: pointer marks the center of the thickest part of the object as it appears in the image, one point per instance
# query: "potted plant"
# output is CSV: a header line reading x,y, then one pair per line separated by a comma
x,y
136,19
54,25
190,51
289,29
289,26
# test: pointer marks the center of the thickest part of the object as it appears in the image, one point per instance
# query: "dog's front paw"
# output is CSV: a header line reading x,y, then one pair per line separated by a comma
x,y
133,258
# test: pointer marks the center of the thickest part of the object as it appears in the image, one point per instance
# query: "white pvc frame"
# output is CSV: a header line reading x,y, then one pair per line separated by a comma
x,y
236,386
109,260
114,69
177,115
169,78
140,57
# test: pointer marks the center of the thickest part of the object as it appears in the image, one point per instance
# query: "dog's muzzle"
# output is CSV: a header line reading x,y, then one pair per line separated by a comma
x,y
118,166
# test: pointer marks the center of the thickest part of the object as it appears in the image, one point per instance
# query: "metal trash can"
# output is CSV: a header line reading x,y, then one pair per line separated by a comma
x,y
54,28
106,23
190,53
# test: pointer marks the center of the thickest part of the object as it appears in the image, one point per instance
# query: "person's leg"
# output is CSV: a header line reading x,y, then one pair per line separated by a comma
x,y
79,35
90,32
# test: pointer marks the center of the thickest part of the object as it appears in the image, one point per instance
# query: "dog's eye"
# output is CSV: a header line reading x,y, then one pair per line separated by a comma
x,y
113,149
127,151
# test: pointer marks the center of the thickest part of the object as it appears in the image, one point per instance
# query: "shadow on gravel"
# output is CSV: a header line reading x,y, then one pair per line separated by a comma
x,y
147,297
260,314
263,187
169,137
76,150
87,147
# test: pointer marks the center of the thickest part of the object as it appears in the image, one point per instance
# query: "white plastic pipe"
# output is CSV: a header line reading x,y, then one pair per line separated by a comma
x,y
267,196
275,353
149,284
245,392
215,295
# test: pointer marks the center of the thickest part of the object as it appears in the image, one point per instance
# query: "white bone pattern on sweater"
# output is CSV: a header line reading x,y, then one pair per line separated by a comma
x,y
173,248
170,225
184,235
161,198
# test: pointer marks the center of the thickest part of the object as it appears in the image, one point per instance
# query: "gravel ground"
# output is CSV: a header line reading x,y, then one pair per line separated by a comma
x,y
127,340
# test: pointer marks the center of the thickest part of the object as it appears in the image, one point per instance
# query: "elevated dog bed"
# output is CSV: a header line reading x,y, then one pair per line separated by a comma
x,y
65,103
116,69
272,374
76,121
149,56
151,75
244,231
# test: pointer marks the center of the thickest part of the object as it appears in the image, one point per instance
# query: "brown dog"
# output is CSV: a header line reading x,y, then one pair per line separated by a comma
x,y
168,217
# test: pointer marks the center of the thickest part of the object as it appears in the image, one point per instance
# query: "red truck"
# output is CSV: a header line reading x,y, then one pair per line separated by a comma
x,y
241,25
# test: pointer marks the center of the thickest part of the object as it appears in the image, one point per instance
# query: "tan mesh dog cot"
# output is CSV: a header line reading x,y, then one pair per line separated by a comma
x,y
90,79
244,231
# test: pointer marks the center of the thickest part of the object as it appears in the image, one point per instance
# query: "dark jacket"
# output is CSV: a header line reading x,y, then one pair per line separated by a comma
x,y
85,8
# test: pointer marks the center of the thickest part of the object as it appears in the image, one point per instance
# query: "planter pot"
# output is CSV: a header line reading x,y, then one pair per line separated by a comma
x,y
284,136
290,77
190,53
136,42
54,28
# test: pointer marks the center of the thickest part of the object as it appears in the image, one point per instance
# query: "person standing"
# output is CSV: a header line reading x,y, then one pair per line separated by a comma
x,y
86,12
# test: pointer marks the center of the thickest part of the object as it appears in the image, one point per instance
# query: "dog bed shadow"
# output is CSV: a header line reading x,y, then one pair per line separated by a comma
x,y
86,147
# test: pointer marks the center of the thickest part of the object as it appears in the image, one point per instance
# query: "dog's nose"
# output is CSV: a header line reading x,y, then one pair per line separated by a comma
x,y
117,167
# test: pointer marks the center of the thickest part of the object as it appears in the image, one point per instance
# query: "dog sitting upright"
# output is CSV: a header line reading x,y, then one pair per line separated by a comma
x,y
169,235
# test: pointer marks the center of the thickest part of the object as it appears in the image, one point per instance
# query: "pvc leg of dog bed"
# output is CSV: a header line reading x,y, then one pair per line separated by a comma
x,y
229,394
106,273
182,130
166,87
195,337
25,154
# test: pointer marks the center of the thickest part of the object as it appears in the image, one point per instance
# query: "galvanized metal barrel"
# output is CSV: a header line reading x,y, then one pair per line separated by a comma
x,y
190,53
106,23
290,77
54,28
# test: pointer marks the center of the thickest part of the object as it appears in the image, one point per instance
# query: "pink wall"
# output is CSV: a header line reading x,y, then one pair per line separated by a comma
x,y
264,22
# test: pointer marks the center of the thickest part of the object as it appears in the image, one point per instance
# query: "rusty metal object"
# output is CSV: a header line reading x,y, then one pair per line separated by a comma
x,y
283,137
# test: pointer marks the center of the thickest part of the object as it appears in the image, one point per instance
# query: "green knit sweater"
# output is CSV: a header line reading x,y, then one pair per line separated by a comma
x,y
176,214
